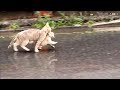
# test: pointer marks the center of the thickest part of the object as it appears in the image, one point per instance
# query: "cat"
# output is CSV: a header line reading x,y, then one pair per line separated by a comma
x,y
26,36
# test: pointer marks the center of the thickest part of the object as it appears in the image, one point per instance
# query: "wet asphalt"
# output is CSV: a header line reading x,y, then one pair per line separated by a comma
x,y
77,55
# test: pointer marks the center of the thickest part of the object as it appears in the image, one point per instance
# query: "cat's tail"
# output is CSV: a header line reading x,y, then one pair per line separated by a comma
x,y
12,42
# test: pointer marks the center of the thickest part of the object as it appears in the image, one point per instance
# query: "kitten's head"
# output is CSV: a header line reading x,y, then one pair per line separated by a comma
x,y
51,34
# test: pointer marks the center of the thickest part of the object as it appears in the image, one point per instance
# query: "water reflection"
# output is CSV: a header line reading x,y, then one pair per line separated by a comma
x,y
30,65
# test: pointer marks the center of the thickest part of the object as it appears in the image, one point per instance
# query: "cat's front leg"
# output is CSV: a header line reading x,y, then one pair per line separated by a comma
x,y
53,42
41,38
38,46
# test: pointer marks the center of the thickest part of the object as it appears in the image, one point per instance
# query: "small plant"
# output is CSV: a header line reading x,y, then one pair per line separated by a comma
x,y
63,16
52,24
42,20
67,20
14,25
60,23
106,20
76,20
71,20
90,23
2,37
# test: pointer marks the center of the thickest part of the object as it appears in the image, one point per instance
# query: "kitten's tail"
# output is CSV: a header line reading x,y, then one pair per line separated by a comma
x,y
12,42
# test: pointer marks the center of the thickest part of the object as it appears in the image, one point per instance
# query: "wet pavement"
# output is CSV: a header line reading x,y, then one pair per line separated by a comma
x,y
76,56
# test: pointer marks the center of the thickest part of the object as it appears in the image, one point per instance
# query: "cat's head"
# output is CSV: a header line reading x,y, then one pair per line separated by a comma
x,y
51,34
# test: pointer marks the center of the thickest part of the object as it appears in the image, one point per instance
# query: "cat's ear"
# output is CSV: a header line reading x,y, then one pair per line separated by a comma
x,y
47,24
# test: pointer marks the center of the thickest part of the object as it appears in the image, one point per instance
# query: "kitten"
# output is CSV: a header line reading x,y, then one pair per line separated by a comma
x,y
48,40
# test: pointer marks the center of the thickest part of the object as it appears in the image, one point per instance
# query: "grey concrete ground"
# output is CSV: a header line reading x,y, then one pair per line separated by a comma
x,y
76,56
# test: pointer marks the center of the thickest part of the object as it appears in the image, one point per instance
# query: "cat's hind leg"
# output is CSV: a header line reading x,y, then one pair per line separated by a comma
x,y
23,45
53,42
15,46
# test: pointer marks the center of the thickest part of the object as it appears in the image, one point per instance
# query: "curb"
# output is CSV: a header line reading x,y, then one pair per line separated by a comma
x,y
85,26
10,30
115,23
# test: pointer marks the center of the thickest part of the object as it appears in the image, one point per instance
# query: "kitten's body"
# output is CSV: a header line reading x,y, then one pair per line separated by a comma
x,y
25,37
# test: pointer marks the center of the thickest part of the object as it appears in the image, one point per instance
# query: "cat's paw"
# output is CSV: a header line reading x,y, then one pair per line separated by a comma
x,y
36,50
54,42
52,46
40,48
16,50
27,49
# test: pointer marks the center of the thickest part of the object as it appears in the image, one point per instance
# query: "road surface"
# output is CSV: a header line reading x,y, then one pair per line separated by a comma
x,y
77,55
